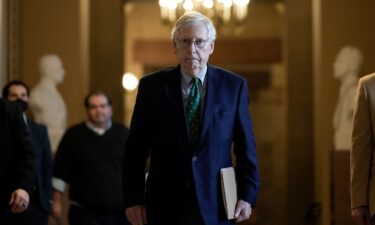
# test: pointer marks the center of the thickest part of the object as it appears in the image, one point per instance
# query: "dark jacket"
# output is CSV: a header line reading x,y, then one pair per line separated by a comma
x,y
17,158
177,168
43,170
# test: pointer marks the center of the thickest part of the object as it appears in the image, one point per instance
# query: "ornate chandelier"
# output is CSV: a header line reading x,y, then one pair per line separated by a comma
x,y
221,12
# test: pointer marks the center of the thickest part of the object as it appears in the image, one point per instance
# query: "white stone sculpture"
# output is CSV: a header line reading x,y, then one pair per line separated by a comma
x,y
46,103
346,69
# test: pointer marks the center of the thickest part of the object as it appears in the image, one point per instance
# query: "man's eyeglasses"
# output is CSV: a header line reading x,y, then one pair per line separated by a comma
x,y
186,43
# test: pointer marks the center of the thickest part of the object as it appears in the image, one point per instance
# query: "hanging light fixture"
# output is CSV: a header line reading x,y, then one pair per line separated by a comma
x,y
221,12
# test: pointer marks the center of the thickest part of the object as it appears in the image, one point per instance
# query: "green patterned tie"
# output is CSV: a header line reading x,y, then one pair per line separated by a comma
x,y
193,111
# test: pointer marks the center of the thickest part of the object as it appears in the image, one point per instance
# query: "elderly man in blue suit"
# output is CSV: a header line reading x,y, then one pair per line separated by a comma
x,y
187,118
40,204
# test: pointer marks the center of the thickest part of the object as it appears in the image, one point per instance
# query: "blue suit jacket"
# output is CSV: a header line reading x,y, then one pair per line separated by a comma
x,y
43,169
159,128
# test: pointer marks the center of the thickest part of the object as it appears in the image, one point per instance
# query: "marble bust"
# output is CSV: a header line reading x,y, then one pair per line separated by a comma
x,y
346,69
46,103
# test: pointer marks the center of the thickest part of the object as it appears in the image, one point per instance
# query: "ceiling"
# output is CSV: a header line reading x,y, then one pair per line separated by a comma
x,y
252,1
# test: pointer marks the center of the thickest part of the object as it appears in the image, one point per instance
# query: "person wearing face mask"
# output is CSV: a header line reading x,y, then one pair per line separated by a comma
x,y
17,163
187,118
40,198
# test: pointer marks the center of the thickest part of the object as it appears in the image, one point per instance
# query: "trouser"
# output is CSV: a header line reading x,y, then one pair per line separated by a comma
x,y
191,214
184,212
80,215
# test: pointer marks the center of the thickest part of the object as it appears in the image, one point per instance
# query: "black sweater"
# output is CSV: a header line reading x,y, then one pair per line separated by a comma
x,y
92,166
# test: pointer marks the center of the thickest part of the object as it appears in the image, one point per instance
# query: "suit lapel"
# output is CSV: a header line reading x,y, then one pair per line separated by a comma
x,y
212,95
172,88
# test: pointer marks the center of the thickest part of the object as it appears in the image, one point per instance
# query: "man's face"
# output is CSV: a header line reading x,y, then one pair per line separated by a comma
x,y
17,92
193,47
99,112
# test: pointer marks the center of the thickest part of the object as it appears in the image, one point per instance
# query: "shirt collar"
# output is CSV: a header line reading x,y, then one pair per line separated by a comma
x,y
200,76
24,117
98,130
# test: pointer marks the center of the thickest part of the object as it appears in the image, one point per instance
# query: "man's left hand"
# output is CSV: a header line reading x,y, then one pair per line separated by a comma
x,y
19,201
243,210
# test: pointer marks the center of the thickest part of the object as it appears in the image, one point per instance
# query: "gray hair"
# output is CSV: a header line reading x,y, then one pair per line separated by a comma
x,y
194,17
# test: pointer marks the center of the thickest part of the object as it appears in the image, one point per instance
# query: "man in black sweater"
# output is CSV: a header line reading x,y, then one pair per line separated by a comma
x,y
89,159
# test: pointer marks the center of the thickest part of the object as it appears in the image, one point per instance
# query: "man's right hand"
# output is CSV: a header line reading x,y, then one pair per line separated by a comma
x,y
362,215
136,215
19,201
56,205
56,210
